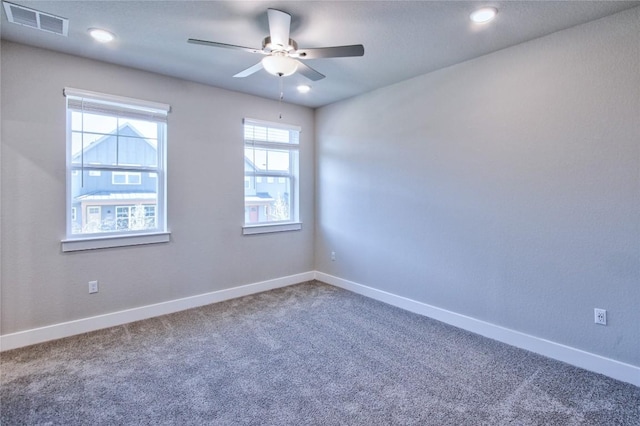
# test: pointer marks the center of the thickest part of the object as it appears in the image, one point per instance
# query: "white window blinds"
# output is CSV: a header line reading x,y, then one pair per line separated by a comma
x,y
92,102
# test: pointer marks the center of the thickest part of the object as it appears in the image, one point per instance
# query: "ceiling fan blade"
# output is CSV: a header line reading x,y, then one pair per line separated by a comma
x,y
331,52
279,25
309,72
226,46
253,69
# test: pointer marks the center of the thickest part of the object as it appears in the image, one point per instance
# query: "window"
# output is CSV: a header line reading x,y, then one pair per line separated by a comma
x,y
271,177
126,178
123,214
135,217
150,216
116,174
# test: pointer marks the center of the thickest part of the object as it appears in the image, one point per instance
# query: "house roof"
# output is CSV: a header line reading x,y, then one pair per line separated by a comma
x,y
116,196
125,130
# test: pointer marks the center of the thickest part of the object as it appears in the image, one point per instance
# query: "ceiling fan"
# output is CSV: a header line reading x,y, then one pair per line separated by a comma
x,y
281,54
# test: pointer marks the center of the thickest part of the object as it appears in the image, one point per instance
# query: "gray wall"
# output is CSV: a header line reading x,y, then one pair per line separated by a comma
x,y
43,286
506,188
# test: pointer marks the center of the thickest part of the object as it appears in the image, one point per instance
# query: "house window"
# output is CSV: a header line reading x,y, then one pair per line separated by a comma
x,y
271,161
126,178
135,217
150,215
123,214
123,140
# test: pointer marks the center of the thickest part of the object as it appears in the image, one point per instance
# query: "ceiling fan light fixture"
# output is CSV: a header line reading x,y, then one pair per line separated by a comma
x,y
484,15
278,65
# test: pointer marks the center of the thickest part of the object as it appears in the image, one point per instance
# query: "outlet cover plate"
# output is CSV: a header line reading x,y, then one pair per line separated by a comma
x,y
600,316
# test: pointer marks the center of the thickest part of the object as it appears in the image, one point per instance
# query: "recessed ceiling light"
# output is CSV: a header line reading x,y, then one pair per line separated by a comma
x,y
484,15
304,88
103,36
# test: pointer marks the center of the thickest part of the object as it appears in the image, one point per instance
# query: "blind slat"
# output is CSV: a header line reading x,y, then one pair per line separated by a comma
x,y
261,123
99,103
271,145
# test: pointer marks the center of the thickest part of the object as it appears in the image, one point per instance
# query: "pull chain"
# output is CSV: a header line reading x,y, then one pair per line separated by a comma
x,y
280,100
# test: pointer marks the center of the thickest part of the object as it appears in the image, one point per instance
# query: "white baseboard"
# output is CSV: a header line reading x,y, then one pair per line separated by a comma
x,y
579,358
596,363
84,325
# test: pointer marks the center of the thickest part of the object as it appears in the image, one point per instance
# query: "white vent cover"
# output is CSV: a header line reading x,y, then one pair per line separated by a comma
x,y
35,19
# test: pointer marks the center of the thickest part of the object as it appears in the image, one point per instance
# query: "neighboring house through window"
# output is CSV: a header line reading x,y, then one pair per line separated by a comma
x,y
271,176
115,166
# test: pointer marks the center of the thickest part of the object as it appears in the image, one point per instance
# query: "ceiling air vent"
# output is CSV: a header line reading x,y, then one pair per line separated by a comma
x,y
35,19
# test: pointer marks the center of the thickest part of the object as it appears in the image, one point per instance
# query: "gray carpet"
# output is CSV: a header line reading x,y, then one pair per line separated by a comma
x,y
309,354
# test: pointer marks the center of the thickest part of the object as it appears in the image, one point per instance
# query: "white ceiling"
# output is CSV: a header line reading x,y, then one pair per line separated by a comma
x,y
402,39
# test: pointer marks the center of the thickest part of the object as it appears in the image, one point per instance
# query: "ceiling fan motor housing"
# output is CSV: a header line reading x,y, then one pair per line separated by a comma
x,y
268,47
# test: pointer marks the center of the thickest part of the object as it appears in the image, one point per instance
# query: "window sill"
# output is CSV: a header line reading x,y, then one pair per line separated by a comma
x,y
269,228
114,241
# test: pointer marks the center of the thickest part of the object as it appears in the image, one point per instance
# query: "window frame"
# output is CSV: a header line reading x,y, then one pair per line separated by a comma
x,y
293,174
136,109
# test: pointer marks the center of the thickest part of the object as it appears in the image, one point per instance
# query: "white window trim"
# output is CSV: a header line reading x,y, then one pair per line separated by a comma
x,y
115,241
294,224
271,227
95,241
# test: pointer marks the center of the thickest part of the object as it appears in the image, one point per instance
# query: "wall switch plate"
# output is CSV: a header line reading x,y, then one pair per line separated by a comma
x,y
333,255
600,316
93,287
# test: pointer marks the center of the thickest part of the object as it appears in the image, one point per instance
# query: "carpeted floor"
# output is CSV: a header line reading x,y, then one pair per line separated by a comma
x,y
309,354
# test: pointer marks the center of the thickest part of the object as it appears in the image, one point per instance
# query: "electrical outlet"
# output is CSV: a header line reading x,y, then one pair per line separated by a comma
x,y
600,316
93,287
333,255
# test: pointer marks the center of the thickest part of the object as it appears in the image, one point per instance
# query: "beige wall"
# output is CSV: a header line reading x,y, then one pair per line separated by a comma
x,y
43,286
